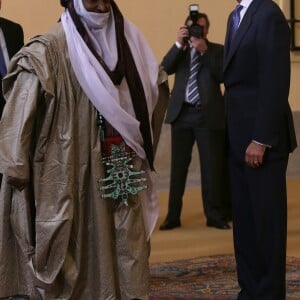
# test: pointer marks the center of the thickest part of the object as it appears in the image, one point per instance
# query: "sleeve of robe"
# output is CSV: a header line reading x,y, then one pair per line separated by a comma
x,y
29,109
17,124
16,138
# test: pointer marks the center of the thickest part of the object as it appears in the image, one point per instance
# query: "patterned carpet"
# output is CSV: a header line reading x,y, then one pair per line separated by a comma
x,y
207,278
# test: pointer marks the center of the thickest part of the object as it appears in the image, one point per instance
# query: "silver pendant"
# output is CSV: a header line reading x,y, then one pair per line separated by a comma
x,y
121,180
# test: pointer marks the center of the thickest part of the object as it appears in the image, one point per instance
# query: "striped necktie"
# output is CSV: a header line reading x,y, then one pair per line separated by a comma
x,y
193,95
3,69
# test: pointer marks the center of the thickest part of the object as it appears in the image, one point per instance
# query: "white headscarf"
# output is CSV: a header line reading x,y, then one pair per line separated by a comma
x,y
101,29
114,102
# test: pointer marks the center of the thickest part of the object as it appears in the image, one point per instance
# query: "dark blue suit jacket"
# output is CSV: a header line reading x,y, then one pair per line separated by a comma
x,y
14,38
257,80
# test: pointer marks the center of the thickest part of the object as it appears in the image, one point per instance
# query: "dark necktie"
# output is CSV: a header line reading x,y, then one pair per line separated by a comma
x,y
236,17
3,69
193,92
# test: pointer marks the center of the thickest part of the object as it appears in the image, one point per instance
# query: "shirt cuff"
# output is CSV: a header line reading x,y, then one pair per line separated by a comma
x,y
258,143
178,45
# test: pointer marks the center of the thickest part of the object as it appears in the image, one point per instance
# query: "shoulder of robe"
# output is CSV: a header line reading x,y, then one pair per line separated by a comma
x,y
41,51
42,56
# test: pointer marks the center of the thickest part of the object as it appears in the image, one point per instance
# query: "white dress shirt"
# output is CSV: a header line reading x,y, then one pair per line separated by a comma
x,y
245,4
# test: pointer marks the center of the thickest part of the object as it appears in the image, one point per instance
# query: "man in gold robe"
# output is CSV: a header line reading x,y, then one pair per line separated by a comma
x,y
77,203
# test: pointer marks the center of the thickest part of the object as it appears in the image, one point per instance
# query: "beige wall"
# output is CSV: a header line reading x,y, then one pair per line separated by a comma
x,y
157,19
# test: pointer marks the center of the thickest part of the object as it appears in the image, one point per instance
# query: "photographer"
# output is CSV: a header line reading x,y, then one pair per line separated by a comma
x,y
196,113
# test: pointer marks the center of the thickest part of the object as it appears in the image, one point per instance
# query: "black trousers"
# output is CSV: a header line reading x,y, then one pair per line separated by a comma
x,y
259,204
191,127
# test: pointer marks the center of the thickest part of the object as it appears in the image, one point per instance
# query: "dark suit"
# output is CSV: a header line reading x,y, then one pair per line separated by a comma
x,y
257,79
14,39
205,126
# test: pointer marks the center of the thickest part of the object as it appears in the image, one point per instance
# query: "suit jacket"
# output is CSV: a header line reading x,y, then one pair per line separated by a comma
x,y
210,77
257,80
14,38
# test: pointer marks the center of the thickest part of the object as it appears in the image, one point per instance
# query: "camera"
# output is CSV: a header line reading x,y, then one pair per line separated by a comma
x,y
194,29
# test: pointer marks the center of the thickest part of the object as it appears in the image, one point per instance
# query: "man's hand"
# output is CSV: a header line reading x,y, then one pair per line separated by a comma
x,y
17,183
254,155
199,44
182,36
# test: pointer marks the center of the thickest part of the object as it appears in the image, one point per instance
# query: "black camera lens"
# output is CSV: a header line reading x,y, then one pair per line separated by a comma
x,y
196,30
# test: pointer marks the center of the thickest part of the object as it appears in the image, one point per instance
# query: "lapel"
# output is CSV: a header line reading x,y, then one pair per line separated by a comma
x,y
226,46
8,36
241,32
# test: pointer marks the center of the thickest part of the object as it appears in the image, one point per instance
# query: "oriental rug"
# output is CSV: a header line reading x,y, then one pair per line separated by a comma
x,y
208,278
